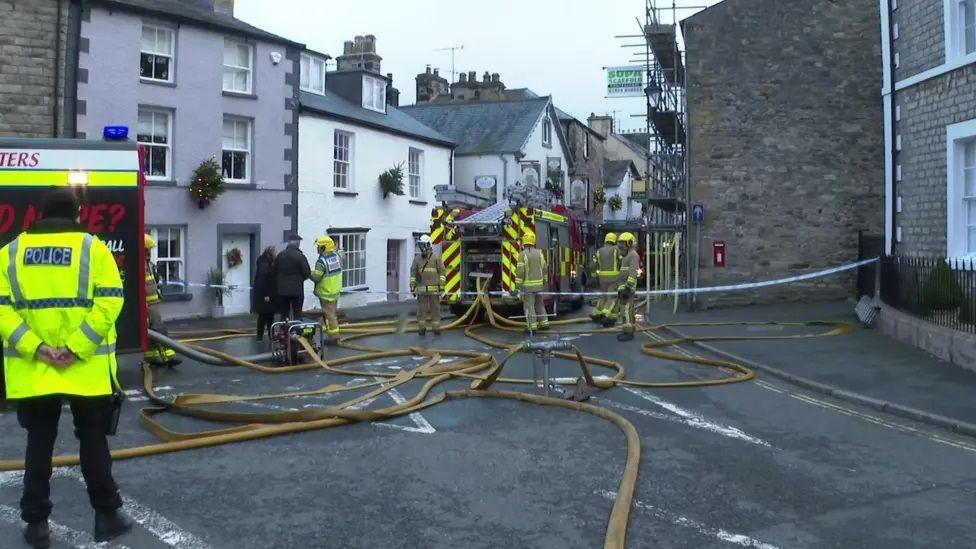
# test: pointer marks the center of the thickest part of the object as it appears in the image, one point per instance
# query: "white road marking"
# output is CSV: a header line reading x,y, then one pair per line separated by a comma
x,y
704,529
696,420
59,532
423,426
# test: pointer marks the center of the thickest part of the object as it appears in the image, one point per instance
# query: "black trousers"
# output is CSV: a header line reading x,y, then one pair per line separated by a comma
x,y
265,320
291,306
40,415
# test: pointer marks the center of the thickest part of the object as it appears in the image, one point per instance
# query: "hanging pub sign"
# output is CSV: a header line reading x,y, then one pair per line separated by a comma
x,y
108,181
531,174
625,81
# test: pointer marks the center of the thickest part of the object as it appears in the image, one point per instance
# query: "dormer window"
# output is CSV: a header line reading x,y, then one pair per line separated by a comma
x,y
374,94
313,74
547,131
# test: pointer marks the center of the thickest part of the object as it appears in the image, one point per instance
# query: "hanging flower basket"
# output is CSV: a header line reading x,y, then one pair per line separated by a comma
x,y
207,183
391,181
615,203
600,196
234,258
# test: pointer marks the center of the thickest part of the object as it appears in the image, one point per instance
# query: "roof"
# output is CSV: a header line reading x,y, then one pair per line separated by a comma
x,y
189,10
516,94
564,116
616,169
706,13
631,144
483,127
394,121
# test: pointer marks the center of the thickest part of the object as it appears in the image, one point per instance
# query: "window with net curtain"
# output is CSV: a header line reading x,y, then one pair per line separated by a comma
x,y
236,150
153,131
156,55
168,255
238,60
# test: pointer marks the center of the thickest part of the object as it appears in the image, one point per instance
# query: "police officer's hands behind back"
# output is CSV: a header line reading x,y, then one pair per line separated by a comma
x,y
60,357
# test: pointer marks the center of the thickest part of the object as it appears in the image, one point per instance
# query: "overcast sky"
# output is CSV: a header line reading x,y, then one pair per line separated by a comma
x,y
556,47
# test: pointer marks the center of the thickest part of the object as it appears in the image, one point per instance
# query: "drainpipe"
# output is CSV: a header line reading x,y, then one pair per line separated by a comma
x,y
57,72
501,192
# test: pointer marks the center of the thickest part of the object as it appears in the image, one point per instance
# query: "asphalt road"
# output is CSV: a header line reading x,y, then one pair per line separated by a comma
x,y
757,464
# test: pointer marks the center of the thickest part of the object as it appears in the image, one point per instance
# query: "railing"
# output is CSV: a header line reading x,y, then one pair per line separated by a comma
x,y
938,290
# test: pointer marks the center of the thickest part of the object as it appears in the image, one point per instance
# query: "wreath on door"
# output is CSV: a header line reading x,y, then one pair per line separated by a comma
x,y
234,258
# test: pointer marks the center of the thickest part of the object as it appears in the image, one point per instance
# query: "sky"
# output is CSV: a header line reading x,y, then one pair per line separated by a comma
x,y
554,47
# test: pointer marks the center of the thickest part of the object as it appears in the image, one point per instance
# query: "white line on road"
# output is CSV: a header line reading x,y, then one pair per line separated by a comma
x,y
60,532
704,529
423,426
696,420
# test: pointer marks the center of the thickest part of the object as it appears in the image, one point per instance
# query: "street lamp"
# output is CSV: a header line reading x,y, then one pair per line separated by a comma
x,y
653,92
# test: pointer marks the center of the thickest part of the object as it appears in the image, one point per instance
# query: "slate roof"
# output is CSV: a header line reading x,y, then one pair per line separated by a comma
x,y
615,171
518,94
394,121
188,10
483,127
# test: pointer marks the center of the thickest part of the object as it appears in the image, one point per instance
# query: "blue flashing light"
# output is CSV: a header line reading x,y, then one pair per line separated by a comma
x,y
115,133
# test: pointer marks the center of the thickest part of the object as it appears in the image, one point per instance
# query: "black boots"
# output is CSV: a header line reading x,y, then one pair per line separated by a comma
x,y
421,331
38,535
110,525
625,336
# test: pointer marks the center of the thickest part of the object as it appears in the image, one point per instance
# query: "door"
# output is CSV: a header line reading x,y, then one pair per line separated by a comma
x,y
393,269
236,263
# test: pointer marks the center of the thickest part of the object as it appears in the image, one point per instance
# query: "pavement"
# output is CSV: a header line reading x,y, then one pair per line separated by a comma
x,y
758,464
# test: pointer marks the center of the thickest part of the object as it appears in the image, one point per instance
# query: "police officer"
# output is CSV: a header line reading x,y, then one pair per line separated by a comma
x,y
427,279
327,277
530,280
157,354
627,283
606,263
60,294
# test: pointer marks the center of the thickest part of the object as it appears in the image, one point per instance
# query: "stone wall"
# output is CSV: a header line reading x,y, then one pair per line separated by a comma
x,y
786,140
586,167
926,110
921,36
31,67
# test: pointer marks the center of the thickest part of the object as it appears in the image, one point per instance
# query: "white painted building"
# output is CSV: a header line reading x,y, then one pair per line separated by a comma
x,y
620,176
501,143
348,135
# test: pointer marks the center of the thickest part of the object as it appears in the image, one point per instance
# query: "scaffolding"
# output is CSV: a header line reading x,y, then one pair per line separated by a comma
x,y
665,191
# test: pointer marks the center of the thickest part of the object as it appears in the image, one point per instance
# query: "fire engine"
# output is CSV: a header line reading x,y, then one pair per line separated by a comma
x,y
487,242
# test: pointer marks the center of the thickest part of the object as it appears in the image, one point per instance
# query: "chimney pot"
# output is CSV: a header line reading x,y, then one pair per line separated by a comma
x,y
462,78
472,76
487,77
495,77
223,7
389,75
435,71
348,46
428,69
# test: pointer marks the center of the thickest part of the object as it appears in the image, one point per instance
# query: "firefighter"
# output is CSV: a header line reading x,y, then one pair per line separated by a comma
x,y
157,354
531,280
60,295
327,277
607,267
627,283
427,279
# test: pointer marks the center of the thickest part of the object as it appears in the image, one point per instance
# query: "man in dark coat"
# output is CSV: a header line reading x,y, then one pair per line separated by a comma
x,y
265,300
291,272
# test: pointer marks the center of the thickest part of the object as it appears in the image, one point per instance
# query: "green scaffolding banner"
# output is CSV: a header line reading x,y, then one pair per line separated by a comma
x,y
625,81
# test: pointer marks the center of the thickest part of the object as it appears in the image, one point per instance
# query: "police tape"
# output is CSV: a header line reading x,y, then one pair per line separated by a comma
x,y
674,291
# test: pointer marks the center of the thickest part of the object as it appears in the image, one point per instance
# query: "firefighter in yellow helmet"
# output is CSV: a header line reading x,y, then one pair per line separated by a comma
x,y
606,263
427,279
60,295
327,277
531,278
627,283
157,354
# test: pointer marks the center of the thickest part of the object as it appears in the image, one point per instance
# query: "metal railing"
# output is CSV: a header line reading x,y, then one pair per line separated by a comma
x,y
942,291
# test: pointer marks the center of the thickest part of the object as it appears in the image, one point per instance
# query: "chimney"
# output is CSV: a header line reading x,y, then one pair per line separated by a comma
x,y
358,46
435,71
224,7
602,125
369,44
486,78
472,77
347,47
392,94
428,69
495,78
463,78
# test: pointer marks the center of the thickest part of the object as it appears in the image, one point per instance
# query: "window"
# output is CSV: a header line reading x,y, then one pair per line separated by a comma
x,y
168,255
960,25
352,246
237,66
342,160
236,149
546,131
156,59
154,129
969,193
415,167
967,17
586,145
374,94
313,74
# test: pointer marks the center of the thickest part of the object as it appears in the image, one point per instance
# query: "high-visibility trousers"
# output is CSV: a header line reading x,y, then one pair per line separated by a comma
x,y
535,310
627,313
157,352
429,310
330,318
606,305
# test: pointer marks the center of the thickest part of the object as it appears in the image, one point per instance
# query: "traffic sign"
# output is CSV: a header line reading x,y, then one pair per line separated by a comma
x,y
698,213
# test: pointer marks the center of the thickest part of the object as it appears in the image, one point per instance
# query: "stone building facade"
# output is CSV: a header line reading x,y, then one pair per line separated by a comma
x,y
37,72
930,103
785,146
589,153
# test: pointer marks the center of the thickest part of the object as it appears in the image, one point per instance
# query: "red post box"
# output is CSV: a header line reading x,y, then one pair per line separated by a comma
x,y
718,253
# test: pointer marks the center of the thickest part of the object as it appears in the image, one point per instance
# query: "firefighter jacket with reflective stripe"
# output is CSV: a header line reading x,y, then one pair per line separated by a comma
x,y
152,284
607,262
628,269
530,273
59,286
427,274
327,277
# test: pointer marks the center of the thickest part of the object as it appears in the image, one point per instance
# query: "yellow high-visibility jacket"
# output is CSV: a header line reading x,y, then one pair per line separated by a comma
x,y
327,277
530,273
427,274
61,286
628,269
607,263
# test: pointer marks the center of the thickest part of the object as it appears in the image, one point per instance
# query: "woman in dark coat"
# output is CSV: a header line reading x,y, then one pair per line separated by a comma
x,y
264,292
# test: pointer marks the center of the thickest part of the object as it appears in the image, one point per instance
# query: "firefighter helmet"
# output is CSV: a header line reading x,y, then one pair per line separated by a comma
x,y
425,243
325,241
627,239
150,241
610,239
528,239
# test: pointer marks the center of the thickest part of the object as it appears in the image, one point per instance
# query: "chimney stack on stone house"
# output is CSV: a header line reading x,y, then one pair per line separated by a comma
x,y
602,125
392,94
224,7
468,88
431,85
359,54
